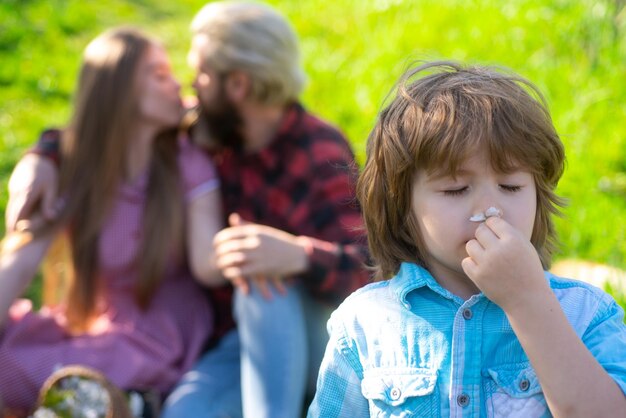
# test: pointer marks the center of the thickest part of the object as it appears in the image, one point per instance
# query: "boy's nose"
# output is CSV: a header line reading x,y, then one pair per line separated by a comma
x,y
486,201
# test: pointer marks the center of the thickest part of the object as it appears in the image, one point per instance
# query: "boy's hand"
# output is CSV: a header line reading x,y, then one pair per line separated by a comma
x,y
504,264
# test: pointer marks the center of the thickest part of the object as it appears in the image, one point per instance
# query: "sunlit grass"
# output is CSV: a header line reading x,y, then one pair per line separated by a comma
x,y
353,52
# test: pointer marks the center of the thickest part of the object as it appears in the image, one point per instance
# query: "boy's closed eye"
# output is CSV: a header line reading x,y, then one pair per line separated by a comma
x,y
455,191
458,191
511,187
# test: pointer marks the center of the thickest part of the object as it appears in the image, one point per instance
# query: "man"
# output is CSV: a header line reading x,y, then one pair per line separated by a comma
x,y
293,249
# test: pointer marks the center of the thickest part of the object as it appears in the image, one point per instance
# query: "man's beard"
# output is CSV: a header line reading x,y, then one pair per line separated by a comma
x,y
224,123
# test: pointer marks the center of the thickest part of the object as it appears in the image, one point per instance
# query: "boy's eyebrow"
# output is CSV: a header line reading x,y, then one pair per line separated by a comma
x,y
442,174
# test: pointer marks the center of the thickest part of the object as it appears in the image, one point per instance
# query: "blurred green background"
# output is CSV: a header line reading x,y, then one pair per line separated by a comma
x,y
353,52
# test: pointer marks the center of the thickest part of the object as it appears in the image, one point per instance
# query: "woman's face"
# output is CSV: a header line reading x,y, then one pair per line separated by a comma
x,y
159,92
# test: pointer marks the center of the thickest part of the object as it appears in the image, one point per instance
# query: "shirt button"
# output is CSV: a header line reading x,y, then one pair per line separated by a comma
x,y
395,394
524,384
463,400
467,313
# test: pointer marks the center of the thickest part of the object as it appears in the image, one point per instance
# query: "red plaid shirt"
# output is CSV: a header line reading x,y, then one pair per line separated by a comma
x,y
302,183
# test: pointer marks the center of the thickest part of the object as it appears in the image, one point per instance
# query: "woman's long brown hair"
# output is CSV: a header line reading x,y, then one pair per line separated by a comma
x,y
93,154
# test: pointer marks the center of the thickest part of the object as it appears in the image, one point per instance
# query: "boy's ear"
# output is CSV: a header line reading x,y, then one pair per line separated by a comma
x,y
238,86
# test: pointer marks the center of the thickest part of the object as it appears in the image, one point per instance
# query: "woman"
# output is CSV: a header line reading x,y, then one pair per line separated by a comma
x,y
139,211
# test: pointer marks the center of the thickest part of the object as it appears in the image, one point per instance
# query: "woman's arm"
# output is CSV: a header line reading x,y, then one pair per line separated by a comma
x,y
204,221
17,269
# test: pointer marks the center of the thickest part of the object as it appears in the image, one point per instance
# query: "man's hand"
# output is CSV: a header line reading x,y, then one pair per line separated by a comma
x,y
247,251
33,185
503,264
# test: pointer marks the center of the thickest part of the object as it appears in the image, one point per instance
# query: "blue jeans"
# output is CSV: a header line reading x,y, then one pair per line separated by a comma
x,y
265,369
211,388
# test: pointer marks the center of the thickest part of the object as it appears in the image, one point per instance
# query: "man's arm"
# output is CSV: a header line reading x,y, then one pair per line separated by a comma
x,y
326,248
334,238
33,185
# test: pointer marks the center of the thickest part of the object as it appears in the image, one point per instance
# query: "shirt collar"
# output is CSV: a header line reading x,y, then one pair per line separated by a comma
x,y
271,155
290,120
412,276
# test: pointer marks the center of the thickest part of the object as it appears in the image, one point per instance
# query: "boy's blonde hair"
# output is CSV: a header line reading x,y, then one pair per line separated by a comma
x,y
256,39
442,112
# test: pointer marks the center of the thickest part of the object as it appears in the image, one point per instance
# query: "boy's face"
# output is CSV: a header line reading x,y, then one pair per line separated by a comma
x,y
443,206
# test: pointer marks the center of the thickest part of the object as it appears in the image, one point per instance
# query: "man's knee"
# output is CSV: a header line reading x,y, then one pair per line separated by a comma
x,y
191,400
212,388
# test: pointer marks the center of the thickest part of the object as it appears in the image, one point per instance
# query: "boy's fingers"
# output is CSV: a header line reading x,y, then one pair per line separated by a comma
x,y
485,236
473,248
497,225
469,267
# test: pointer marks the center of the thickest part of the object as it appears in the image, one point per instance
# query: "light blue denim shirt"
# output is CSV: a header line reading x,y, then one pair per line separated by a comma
x,y
407,347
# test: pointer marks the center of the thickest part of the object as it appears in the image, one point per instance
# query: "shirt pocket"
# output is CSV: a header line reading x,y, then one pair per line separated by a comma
x,y
402,393
513,391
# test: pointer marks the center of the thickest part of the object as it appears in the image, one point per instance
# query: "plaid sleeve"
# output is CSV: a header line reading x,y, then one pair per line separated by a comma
x,y
338,253
48,145
338,392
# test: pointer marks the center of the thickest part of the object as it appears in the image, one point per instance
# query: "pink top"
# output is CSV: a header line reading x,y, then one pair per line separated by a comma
x,y
135,349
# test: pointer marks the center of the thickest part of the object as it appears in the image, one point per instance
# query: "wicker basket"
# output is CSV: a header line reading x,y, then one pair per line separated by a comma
x,y
117,403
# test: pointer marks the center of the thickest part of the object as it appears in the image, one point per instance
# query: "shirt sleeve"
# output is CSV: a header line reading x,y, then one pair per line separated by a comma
x,y
48,145
197,170
338,392
338,254
606,340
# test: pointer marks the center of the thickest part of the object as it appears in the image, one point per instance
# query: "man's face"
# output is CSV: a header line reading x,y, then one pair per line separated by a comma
x,y
222,116
207,80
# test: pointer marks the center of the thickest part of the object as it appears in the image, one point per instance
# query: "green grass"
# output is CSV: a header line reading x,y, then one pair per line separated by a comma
x,y
353,52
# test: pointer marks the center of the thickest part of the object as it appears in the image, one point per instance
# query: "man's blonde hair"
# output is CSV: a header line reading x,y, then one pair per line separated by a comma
x,y
256,39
